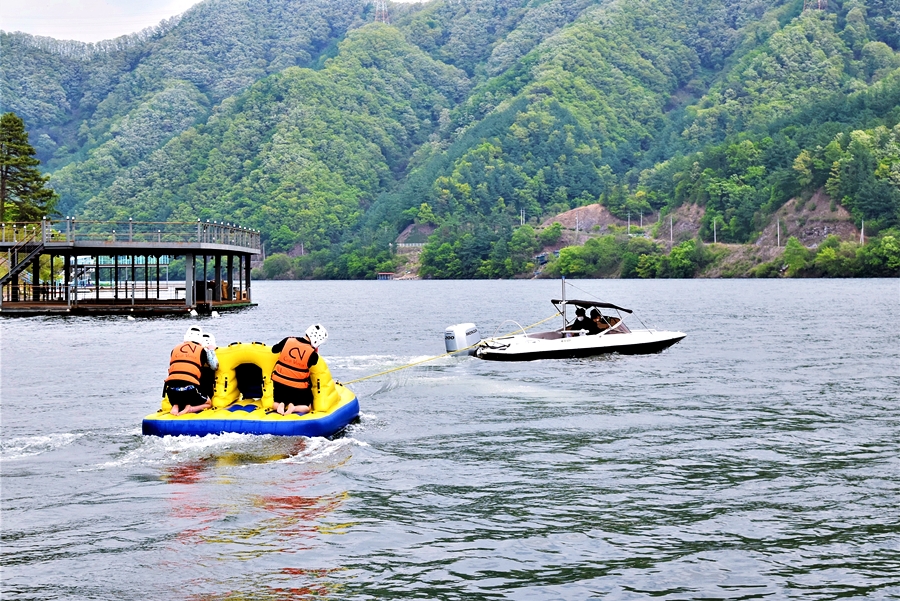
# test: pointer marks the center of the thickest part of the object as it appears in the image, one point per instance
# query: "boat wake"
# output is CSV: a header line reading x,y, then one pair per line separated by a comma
x,y
363,363
29,446
231,449
318,450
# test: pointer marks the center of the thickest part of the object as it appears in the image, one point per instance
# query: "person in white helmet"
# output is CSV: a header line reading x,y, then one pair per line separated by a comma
x,y
208,371
188,361
290,379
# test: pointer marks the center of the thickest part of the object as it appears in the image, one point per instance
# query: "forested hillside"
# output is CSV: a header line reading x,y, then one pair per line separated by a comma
x,y
96,110
326,130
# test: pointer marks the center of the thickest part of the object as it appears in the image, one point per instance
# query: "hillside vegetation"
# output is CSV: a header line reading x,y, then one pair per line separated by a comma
x,y
468,118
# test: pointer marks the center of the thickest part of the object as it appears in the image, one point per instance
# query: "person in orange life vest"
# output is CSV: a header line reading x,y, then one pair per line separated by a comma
x,y
186,365
291,383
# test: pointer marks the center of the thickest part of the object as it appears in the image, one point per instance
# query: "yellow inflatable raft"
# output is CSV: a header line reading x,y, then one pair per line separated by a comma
x,y
334,406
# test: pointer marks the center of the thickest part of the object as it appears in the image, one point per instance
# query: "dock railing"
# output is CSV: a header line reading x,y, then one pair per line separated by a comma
x,y
70,230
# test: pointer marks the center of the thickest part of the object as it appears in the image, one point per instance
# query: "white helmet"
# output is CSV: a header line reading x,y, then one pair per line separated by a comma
x,y
208,340
194,334
316,334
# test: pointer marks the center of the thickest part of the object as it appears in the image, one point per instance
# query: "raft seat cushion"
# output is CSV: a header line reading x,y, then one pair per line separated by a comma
x,y
247,408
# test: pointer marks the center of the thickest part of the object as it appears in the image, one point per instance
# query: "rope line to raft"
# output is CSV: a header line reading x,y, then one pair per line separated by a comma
x,y
471,346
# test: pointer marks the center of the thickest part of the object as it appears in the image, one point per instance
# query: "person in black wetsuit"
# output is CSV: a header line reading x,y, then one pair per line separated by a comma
x,y
580,322
599,322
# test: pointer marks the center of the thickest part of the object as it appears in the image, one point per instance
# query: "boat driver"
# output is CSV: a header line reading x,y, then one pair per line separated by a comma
x,y
291,384
186,366
602,322
580,322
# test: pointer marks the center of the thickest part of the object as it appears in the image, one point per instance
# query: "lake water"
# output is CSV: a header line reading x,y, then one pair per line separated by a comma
x,y
758,458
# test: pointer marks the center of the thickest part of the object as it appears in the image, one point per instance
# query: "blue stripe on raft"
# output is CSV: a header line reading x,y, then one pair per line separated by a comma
x,y
327,425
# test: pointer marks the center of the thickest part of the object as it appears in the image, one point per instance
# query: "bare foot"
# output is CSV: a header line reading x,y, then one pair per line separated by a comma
x,y
290,408
280,408
174,410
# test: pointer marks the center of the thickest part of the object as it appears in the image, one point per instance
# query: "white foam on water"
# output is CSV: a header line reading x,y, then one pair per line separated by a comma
x,y
254,448
421,358
168,450
359,362
378,362
29,446
321,450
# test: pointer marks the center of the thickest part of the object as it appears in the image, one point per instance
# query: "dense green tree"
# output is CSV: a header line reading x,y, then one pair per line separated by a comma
x,y
865,174
795,257
880,257
22,187
277,266
551,234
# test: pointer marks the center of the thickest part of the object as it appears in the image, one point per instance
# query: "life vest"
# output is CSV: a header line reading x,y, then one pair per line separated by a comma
x,y
184,364
292,368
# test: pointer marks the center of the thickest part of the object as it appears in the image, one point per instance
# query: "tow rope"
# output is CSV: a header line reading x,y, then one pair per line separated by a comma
x,y
471,346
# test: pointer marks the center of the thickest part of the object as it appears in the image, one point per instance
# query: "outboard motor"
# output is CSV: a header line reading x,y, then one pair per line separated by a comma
x,y
461,336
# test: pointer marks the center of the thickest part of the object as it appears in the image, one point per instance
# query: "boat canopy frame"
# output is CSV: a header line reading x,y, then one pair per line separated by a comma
x,y
561,303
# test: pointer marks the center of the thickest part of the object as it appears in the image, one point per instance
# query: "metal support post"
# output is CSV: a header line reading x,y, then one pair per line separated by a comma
x,y
189,279
36,279
247,272
230,277
67,267
217,294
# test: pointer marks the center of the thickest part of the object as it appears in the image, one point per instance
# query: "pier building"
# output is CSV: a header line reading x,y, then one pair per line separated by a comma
x,y
78,267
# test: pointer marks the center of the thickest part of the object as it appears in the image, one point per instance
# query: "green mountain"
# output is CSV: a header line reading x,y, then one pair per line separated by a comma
x,y
324,129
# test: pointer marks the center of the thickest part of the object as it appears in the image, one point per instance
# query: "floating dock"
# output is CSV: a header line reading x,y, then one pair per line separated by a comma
x,y
70,267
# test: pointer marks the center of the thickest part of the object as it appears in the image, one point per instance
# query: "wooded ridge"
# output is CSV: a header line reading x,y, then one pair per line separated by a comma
x,y
469,118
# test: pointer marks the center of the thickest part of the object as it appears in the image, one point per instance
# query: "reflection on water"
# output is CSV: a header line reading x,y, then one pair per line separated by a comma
x,y
744,462
234,536
237,534
278,449
288,584
291,531
185,473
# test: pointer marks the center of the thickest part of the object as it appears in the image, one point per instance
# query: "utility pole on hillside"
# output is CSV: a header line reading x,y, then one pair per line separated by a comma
x,y
381,13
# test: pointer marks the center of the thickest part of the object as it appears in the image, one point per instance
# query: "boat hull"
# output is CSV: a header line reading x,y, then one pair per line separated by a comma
x,y
250,418
531,349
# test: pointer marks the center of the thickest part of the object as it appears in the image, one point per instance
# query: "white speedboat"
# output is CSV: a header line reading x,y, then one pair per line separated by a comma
x,y
607,334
